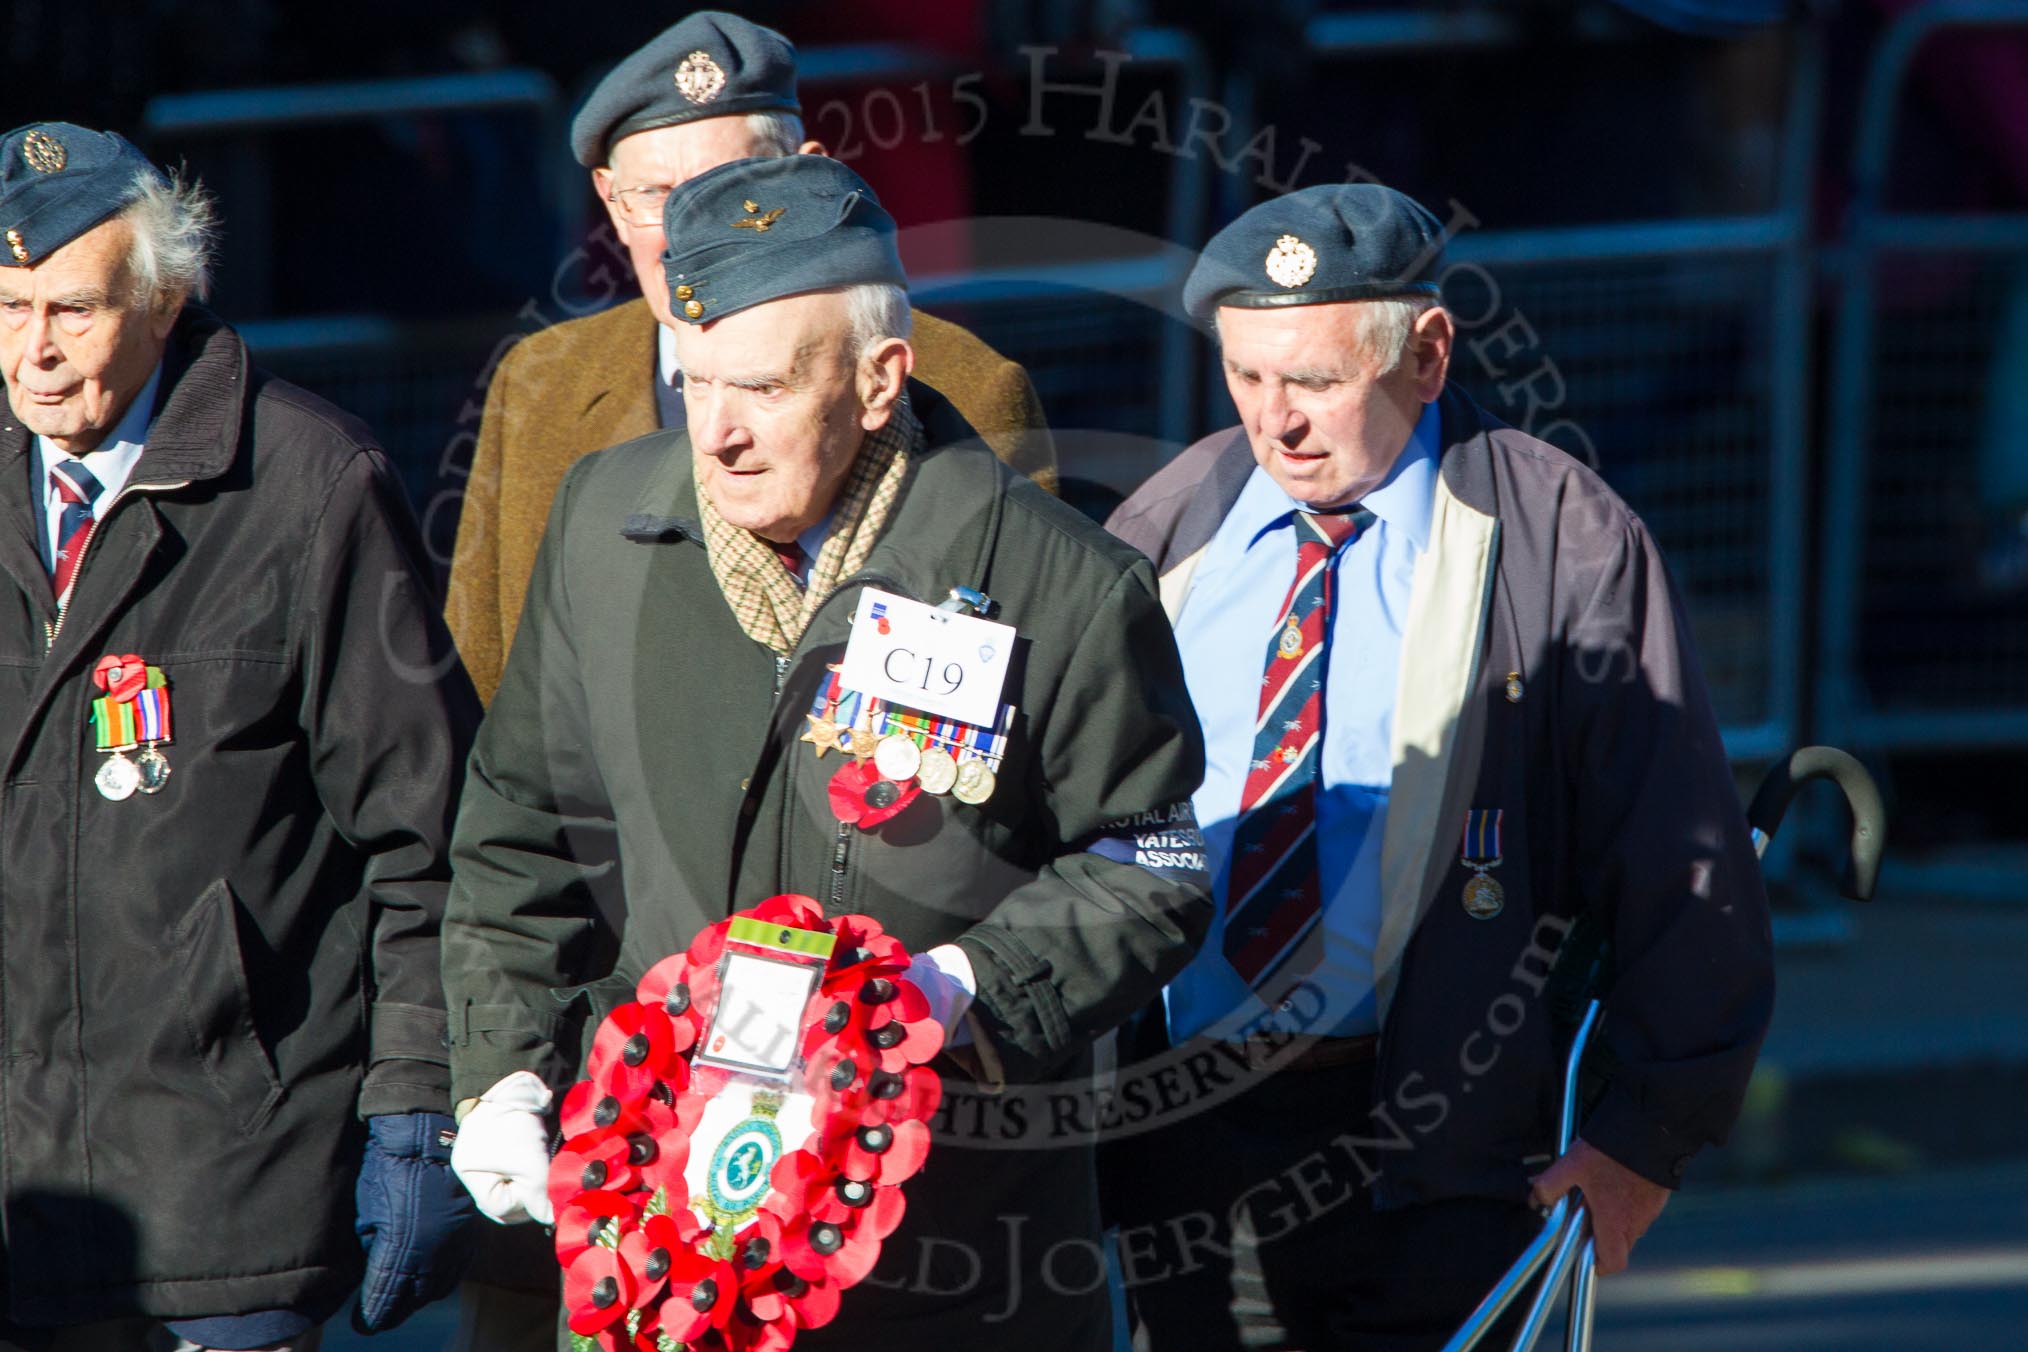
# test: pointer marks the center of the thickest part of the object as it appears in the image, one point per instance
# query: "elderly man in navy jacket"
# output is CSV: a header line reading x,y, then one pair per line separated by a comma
x,y
1450,705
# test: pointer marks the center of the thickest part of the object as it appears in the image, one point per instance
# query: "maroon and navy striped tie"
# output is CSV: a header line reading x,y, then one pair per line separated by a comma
x,y
78,488
1273,895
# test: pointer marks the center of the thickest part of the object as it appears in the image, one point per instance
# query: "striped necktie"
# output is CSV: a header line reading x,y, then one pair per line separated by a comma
x,y
792,557
1273,894
78,489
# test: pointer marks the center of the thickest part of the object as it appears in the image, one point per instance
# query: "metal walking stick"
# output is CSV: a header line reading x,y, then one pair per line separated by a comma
x,y
1563,1252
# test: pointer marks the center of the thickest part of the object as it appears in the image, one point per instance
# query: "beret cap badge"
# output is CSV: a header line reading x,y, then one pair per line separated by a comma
x,y
1291,262
43,152
699,77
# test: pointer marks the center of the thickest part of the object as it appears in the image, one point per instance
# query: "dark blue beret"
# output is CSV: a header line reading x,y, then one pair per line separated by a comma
x,y
58,181
1347,241
707,65
757,230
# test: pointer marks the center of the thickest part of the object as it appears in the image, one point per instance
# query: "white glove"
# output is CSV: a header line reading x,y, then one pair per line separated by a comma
x,y
944,976
502,1151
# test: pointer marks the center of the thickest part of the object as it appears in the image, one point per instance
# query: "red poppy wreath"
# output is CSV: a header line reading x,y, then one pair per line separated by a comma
x,y
698,1208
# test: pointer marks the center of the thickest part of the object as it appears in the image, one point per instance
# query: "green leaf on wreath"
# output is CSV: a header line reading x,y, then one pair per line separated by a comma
x,y
583,1342
658,1205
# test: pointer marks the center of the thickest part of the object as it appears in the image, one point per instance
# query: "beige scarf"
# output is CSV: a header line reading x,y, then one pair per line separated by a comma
x,y
764,598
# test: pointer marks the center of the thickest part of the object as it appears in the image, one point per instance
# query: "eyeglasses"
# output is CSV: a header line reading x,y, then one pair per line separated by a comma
x,y
641,205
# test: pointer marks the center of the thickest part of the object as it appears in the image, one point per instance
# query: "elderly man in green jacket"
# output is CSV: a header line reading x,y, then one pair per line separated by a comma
x,y
657,750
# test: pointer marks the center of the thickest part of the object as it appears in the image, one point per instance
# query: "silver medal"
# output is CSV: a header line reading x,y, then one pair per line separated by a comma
x,y
897,757
118,778
938,772
153,768
975,782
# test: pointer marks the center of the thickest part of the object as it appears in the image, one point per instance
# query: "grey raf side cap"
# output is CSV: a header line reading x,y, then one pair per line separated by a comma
x,y
710,64
58,181
756,230
1348,241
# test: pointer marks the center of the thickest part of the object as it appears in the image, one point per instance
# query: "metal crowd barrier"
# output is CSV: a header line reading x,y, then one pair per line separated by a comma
x,y
1126,362
1681,354
1924,630
238,123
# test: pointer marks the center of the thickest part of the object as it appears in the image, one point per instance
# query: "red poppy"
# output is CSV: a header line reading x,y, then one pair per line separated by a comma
x,y
749,1333
598,1289
651,1252
597,1163
670,987
582,1217
879,1153
857,798
899,1043
841,1249
635,1048
703,1292
781,1294
838,1020
661,1149
591,1109
911,1095
757,1254
799,1176
862,951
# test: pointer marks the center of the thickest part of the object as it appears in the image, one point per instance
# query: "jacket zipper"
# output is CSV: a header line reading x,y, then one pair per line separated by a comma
x,y
50,629
841,852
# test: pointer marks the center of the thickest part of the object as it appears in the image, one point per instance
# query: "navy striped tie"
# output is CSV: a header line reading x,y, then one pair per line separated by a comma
x,y
78,488
1274,896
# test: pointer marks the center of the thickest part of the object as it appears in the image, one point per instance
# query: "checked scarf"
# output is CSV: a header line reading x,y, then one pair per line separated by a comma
x,y
765,599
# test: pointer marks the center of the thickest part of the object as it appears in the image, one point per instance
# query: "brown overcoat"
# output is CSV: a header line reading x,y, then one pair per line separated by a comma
x,y
584,385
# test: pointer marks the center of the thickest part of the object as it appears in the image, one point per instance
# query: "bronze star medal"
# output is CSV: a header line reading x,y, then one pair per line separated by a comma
x,y
823,734
862,747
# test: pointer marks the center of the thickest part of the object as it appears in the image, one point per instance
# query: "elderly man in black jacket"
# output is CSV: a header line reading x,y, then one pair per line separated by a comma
x,y
656,752
234,730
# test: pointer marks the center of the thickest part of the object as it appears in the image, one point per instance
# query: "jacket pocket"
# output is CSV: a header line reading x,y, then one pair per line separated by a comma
x,y
217,1011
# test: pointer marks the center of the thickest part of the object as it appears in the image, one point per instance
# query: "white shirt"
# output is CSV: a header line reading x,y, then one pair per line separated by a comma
x,y
111,464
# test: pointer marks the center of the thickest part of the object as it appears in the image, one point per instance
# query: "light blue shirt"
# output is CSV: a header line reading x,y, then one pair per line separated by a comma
x,y
111,464
1223,632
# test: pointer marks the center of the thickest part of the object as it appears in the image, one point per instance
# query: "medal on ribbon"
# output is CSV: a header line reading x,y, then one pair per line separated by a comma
x,y
898,753
1484,898
134,710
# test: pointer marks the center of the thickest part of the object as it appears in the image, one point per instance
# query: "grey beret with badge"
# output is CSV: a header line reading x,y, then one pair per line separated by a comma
x,y
710,64
56,182
1338,242
756,230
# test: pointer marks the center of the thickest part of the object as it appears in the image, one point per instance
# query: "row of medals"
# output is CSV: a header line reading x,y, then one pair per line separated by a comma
x,y
899,760
120,778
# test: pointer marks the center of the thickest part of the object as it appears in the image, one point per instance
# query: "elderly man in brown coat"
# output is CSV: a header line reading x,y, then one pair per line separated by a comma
x,y
710,89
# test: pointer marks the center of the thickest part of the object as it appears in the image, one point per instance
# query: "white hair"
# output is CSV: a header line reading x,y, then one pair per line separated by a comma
x,y
1384,327
774,134
877,312
175,224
